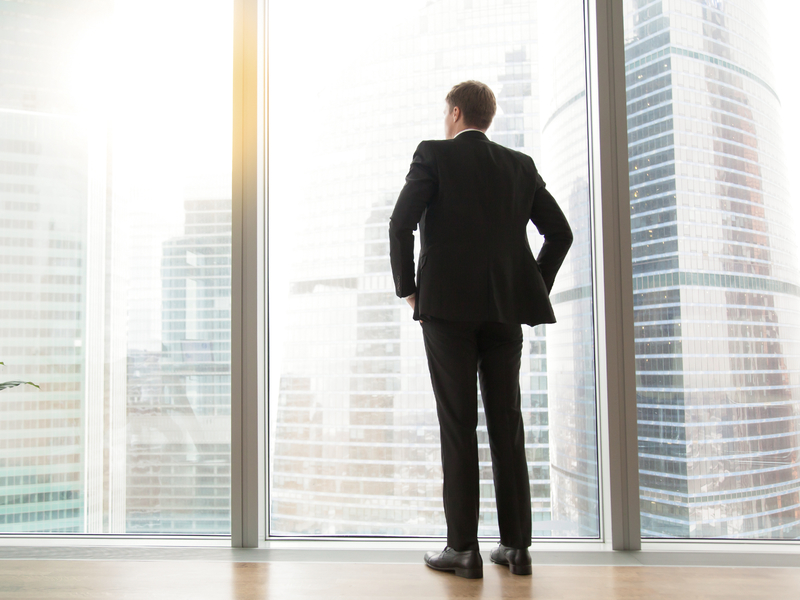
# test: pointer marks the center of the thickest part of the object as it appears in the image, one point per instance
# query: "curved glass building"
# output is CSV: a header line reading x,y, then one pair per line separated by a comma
x,y
570,367
715,279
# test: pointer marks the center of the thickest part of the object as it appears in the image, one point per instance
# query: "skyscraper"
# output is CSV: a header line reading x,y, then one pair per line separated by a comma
x,y
178,468
53,172
715,278
86,200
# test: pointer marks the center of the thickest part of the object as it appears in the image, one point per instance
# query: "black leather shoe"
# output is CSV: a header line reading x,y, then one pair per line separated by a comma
x,y
518,560
467,564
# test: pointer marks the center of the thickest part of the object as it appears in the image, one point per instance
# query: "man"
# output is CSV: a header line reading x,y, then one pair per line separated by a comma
x,y
477,282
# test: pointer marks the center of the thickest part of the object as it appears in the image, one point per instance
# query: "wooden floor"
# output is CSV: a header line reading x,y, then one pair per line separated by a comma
x,y
198,580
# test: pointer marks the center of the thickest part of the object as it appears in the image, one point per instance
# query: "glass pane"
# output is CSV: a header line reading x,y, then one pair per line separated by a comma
x,y
115,209
354,435
715,267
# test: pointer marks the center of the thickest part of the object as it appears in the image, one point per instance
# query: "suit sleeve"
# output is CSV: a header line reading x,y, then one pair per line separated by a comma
x,y
552,224
419,190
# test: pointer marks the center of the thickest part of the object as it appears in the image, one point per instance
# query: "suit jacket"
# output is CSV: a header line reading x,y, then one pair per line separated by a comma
x,y
473,199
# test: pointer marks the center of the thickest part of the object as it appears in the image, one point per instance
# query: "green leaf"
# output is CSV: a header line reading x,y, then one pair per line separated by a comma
x,y
10,384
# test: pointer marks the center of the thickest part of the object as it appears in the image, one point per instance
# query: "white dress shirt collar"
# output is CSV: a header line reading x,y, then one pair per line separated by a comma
x,y
463,130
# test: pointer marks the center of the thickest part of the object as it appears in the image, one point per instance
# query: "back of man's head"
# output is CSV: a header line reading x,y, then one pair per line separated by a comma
x,y
476,102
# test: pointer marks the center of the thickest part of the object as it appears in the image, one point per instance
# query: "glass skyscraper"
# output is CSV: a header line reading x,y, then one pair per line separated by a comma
x,y
715,280
117,305
178,468
52,169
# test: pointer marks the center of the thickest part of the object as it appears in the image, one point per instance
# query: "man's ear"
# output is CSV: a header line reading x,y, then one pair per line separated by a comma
x,y
456,114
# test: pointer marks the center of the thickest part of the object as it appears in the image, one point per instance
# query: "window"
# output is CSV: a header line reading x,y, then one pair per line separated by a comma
x,y
354,436
119,237
115,221
715,274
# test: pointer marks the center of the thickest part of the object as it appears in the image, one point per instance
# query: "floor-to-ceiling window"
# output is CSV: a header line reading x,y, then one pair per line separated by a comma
x,y
116,262
715,268
115,258
353,88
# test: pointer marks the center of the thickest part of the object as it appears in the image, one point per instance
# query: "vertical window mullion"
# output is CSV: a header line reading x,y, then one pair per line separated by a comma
x,y
248,436
615,338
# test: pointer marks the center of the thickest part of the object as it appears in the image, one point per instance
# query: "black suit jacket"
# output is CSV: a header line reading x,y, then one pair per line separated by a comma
x,y
472,199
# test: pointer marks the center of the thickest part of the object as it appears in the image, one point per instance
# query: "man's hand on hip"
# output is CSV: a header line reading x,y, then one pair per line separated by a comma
x,y
412,300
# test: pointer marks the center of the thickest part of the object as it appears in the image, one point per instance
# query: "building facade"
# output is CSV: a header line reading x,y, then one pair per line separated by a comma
x,y
715,277
52,169
130,429
178,467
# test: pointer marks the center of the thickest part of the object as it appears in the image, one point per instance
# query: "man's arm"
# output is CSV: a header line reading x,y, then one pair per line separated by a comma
x,y
421,187
552,224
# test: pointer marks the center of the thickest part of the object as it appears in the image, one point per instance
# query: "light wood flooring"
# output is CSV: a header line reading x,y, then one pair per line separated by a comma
x,y
198,580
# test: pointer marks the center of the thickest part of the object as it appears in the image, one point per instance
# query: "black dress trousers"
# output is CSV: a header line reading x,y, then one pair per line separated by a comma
x,y
456,352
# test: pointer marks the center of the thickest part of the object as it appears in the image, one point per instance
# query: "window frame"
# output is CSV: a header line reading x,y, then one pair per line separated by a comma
x,y
612,295
249,277
612,280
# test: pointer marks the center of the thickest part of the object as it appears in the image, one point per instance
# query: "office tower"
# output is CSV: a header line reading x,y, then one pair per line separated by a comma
x,y
355,435
715,279
54,209
178,467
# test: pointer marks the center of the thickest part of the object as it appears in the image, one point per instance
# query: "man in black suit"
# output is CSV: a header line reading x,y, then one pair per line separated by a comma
x,y
476,283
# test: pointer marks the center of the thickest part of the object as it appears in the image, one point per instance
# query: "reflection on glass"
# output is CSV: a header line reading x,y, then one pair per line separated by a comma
x,y
715,274
354,436
115,252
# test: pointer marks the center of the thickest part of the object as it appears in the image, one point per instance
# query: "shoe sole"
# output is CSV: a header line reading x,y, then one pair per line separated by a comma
x,y
521,569
516,569
465,573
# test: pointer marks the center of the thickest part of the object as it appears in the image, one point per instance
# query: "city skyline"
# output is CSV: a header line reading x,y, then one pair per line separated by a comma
x,y
116,265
